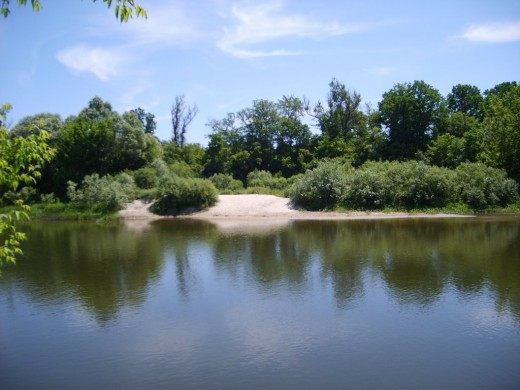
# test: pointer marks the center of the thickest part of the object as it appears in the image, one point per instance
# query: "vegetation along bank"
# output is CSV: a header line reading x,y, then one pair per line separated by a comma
x,y
418,150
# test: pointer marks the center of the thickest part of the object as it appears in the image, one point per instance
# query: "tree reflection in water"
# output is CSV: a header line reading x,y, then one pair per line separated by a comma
x,y
109,267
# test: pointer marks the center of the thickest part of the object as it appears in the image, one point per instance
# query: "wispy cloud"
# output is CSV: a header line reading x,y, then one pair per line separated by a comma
x,y
257,24
165,27
493,32
103,63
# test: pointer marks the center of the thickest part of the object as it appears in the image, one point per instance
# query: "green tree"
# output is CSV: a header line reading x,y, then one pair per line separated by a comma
x,y
292,137
459,124
35,124
129,143
124,9
501,141
147,120
342,116
217,156
21,160
500,89
98,110
101,141
84,147
466,99
411,113
268,136
446,150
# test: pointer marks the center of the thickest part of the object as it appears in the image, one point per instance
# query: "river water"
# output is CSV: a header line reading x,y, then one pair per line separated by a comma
x,y
271,304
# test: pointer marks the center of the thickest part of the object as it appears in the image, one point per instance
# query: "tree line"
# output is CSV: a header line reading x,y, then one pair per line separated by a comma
x,y
413,121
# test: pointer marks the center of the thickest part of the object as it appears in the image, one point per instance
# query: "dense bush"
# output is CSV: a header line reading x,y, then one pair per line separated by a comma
x,y
481,186
25,194
265,179
320,188
105,193
406,185
49,198
182,169
413,184
226,182
161,168
177,195
366,189
403,185
145,177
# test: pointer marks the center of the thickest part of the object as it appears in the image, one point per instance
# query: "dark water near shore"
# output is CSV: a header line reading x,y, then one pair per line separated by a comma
x,y
341,304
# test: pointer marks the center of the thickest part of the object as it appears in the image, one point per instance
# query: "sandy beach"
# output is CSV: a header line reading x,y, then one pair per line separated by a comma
x,y
256,206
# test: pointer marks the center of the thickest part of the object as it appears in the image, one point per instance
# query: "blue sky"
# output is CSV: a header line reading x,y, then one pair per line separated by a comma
x,y
223,54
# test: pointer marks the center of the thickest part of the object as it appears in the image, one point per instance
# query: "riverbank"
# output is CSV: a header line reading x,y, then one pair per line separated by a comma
x,y
249,206
63,212
257,206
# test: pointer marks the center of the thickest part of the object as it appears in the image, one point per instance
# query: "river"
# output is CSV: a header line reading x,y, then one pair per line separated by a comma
x,y
270,304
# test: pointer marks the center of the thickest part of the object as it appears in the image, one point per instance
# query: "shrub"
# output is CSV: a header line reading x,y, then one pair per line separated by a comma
x,y
102,193
161,168
146,177
226,182
48,198
366,189
178,194
481,186
24,194
415,184
265,179
409,185
182,169
322,187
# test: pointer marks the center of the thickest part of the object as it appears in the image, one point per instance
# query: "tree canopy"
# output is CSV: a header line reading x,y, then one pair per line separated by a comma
x,y
411,112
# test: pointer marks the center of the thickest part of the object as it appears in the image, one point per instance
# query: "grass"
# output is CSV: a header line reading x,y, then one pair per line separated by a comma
x,y
64,211
67,212
456,208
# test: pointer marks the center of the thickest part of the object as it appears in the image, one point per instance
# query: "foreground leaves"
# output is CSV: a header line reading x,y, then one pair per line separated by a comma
x,y
21,161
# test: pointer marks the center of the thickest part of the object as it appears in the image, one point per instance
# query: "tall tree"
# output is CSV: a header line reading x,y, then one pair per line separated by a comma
x,y
501,147
182,116
500,89
98,140
342,116
466,99
35,124
292,138
147,120
410,112
97,110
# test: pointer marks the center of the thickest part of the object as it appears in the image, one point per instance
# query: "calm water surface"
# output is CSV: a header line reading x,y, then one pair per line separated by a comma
x,y
339,304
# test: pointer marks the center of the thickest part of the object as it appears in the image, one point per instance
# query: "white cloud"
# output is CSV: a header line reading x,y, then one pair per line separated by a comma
x,y
166,26
493,32
103,63
261,23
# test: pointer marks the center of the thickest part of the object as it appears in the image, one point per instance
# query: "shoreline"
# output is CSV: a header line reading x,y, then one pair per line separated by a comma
x,y
269,207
